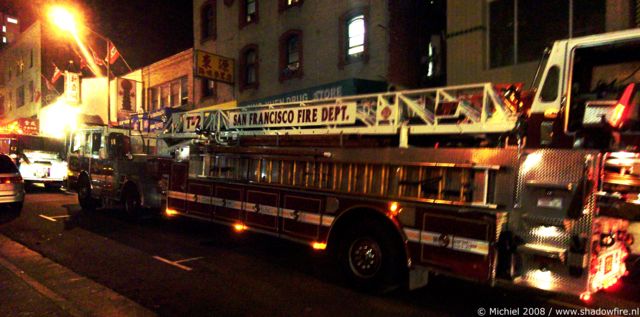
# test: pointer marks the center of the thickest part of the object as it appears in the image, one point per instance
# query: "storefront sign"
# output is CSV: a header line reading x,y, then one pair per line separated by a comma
x,y
214,67
338,113
126,98
346,87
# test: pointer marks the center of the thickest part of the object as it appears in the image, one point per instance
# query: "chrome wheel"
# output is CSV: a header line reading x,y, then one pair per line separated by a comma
x,y
365,257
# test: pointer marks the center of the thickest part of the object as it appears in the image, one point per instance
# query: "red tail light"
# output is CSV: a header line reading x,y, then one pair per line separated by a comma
x,y
622,108
11,180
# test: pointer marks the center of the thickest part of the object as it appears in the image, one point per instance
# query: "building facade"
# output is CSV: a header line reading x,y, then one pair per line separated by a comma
x,y
502,41
289,50
20,79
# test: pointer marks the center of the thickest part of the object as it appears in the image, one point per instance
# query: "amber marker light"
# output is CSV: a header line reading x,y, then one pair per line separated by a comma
x,y
170,212
585,297
319,245
239,227
394,208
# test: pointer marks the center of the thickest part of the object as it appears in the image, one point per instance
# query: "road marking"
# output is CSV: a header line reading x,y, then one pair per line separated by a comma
x,y
176,263
189,259
53,218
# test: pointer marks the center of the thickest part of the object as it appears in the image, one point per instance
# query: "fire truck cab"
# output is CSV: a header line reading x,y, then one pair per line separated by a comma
x,y
110,166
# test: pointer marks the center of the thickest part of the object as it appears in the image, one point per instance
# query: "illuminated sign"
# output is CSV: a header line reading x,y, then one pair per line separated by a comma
x,y
214,67
72,87
338,113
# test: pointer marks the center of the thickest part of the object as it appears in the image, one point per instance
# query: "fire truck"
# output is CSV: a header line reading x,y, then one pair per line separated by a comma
x,y
482,182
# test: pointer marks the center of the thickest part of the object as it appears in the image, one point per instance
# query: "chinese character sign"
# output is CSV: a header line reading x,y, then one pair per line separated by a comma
x,y
72,87
214,67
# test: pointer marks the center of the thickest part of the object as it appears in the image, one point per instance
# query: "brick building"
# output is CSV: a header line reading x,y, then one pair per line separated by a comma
x,y
290,50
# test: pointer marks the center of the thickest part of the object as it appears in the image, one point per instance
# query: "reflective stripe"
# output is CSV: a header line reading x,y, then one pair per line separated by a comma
x,y
301,216
327,220
413,235
176,195
470,245
454,242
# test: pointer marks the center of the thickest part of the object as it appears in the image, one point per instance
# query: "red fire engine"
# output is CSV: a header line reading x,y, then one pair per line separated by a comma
x,y
477,182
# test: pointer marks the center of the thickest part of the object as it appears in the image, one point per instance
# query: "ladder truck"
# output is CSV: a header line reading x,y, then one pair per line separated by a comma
x,y
496,185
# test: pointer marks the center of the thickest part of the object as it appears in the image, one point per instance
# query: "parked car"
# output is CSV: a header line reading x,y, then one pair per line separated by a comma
x,y
11,185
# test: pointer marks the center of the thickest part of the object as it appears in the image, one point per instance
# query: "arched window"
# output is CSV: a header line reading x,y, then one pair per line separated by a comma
x,y
291,54
251,59
208,21
249,67
354,40
356,32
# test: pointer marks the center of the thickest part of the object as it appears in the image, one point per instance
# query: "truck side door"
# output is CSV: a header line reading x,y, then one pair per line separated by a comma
x,y
96,163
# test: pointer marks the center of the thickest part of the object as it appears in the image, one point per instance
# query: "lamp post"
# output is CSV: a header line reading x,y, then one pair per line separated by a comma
x,y
63,18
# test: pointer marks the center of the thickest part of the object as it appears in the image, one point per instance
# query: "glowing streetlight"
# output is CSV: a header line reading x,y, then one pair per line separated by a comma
x,y
63,18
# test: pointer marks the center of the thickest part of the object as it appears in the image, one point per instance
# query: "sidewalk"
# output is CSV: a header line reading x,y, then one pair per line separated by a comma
x,y
32,285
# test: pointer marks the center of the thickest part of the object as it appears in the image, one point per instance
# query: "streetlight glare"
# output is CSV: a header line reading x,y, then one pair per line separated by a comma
x,y
63,19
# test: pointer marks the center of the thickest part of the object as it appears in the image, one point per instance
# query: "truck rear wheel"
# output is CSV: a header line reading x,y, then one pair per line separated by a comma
x,y
369,259
131,201
87,203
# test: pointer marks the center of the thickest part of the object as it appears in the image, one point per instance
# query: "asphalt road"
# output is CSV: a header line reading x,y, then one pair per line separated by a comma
x,y
183,267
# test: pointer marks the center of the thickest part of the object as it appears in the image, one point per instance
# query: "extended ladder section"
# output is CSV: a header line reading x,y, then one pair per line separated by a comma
x,y
469,109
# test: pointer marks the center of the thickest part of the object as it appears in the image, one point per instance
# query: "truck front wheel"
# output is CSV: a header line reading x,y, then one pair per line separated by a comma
x,y
369,259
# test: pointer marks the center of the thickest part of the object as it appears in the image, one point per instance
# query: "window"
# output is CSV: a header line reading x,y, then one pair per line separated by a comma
x,y
31,59
184,91
208,21
154,98
208,88
287,4
171,94
248,12
550,89
249,67
164,96
291,54
353,45
175,93
355,36
517,36
20,97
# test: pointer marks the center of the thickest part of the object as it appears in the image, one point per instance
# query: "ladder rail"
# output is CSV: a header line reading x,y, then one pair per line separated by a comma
x,y
478,107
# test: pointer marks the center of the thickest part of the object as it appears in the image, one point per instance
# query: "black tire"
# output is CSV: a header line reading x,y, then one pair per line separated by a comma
x,y
370,259
131,201
87,203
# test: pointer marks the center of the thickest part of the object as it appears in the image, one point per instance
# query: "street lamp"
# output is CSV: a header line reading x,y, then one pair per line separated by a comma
x,y
65,20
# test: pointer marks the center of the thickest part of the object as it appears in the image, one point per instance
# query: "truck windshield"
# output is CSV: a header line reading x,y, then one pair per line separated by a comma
x,y
600,74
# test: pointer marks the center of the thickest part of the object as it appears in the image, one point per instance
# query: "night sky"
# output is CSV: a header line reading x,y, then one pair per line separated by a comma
x,y
144,31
